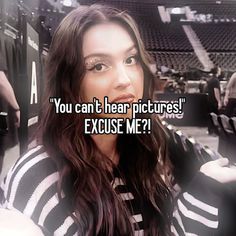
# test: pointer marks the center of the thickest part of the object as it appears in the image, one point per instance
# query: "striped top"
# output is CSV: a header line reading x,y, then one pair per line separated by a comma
x,y
31,188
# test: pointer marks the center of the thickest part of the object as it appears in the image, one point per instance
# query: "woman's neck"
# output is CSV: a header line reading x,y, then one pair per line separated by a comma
x,y
107,145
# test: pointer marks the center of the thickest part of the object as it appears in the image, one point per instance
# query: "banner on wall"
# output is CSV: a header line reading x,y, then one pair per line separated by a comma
x,y
194,112
33,74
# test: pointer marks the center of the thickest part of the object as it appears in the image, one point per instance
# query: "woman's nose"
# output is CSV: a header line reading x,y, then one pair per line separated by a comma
x,y
122,76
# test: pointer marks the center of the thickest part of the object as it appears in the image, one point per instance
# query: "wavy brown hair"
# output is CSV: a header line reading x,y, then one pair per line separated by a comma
x,y
82,166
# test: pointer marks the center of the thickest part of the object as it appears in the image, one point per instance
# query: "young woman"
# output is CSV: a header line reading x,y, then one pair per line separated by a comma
x,y
77,184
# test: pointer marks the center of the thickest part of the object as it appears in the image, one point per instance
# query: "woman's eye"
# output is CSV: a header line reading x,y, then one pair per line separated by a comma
x,y
100,67
131,60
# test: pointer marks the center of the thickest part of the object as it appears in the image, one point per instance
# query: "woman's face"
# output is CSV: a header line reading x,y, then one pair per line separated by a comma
x,y
112,66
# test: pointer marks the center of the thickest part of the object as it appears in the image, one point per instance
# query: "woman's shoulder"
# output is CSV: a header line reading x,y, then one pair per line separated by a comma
x,y
31,187
30,178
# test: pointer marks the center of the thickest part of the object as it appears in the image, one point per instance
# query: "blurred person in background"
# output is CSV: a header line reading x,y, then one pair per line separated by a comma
x,y
7,95
214,99
230,97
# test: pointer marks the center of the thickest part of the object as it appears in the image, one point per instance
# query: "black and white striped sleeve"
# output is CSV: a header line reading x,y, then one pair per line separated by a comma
x,y
30,187
196,211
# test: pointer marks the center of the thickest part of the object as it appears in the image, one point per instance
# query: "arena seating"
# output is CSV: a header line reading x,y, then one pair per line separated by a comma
x,y
138,10
217,37
225,127
232,122
169,44
180,61
186,154
169,37
226,60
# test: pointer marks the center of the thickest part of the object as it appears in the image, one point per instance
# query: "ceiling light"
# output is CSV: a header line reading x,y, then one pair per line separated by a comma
x,y
67,3
176,10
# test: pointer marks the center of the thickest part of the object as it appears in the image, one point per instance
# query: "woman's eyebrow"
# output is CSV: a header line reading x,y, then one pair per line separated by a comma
x,y
131,48
108,55
97,55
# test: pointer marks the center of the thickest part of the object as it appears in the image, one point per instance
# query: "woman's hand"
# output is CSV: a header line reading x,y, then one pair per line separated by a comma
x,y
219,170
226,100
14,223
17,118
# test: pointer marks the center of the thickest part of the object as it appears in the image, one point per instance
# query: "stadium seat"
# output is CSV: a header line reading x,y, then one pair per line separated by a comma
x,y
232,122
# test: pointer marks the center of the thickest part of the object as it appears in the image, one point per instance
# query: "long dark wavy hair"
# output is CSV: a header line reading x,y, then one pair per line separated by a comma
x,y
82,166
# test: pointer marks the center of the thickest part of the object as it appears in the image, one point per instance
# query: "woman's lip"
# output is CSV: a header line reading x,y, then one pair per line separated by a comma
x,y
127,100
124,98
